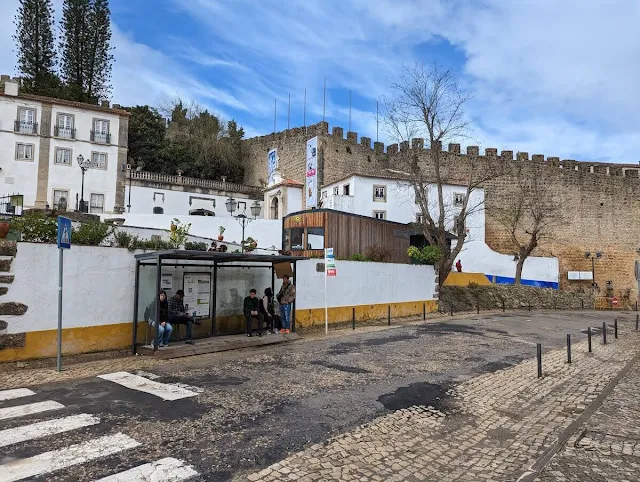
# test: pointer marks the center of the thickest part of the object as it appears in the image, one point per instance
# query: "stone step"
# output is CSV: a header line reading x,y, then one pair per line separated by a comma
x,y
12,308
8,248
5,264
3,290
6,278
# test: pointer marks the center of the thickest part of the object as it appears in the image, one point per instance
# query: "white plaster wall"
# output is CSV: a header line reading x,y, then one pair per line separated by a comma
x,y
360,283
177,202
20,177
268,232
98,287
294,201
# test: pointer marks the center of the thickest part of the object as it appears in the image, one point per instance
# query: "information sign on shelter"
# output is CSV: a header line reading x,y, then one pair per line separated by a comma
x,y
330,263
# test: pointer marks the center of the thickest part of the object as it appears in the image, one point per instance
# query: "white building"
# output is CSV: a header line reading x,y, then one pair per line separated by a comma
x,y
41,139
393,198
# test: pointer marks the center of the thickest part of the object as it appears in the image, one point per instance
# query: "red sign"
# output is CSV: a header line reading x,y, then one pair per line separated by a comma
x,y
331,271
614,301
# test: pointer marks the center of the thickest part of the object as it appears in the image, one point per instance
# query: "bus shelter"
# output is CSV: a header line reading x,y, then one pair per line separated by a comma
x,y
215,285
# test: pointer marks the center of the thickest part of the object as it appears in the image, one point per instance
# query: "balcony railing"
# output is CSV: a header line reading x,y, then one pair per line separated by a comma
x,y
64,132
100,137
339,203
25,127
196,182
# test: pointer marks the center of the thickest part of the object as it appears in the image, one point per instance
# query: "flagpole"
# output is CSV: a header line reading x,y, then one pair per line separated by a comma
x,y
289,113
324,99
349,111
304,111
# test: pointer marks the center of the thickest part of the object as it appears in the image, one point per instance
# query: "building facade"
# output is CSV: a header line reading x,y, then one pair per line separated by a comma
x,y
41,141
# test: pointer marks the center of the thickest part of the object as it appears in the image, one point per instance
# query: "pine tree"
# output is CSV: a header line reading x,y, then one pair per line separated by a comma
x,y
35,47
74,40
99,59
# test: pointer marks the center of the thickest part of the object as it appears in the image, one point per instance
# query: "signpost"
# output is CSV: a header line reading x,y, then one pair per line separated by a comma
x,y
329,270
614,302
64,242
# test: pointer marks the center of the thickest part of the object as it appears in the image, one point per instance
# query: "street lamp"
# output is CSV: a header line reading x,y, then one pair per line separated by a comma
x,y
233,205
84,164
598,254
138,169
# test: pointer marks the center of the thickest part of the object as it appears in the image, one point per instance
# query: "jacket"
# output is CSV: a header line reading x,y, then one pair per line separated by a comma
x,y
287,294
250,304
176,306
150,312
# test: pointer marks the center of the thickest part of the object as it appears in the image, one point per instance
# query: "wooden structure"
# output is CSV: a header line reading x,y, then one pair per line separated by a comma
x,y
307,233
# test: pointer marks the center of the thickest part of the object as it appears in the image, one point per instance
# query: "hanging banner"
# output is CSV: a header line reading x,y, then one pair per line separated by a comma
x,y
272,164
330,263
197,292
311,188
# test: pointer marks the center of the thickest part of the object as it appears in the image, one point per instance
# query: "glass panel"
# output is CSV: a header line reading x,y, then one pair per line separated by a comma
x,y
63,156
99,160
315,238
97,203
295,238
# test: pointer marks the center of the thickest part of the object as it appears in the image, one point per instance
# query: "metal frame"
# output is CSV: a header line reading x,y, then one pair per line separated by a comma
x,y
207,259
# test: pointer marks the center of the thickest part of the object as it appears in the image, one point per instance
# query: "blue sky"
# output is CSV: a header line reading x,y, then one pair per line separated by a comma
x,y
553,77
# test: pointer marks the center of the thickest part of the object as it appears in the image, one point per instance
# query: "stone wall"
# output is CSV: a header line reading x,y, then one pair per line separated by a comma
x,y
601,201
467,298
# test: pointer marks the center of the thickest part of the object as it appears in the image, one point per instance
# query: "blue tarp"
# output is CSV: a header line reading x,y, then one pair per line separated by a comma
x,y
503,280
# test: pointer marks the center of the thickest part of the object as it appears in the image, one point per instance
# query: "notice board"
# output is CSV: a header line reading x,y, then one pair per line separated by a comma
x,y
197,292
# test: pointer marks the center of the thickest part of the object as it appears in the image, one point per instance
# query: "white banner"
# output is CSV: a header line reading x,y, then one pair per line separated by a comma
x,y
197,292
272,164
311,188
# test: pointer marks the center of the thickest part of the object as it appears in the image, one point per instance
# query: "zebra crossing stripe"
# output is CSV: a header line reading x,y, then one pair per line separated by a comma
x,y
43,429
165,391
81,453
29,409
163,470
15,393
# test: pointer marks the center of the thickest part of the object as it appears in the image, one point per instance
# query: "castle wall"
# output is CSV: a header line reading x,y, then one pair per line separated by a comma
x,y
601,201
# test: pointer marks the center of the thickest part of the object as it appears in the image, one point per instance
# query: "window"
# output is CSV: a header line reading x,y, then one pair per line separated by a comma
x,y
345,189
336,191
26,123
158,210
458,199
24,152
98,160
380,214
323,195
315,238
100,131
419,218
60,199
63,156
295,241
64,127
380,193
96,204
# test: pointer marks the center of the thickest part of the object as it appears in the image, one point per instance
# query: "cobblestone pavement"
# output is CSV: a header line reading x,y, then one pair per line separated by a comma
x,y
607,446
456,399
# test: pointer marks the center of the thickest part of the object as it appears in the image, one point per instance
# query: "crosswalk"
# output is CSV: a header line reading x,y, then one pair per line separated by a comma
x,y
52,420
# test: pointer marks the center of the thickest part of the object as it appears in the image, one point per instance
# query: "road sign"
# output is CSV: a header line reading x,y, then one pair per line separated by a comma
x,y
614,301
330,263
64,233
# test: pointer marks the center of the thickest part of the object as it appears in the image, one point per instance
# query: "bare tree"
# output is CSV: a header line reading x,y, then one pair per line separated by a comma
x,y
428,102
532,213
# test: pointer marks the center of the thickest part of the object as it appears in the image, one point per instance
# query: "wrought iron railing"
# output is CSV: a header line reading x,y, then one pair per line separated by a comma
x,y
25,127
64,132
100,137
11,205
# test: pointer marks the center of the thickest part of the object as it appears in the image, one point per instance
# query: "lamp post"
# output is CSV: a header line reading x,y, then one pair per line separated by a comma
x,y
233,205
84,164
598,254
138,169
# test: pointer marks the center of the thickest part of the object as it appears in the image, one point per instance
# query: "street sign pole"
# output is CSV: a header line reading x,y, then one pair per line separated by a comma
x,y
329,270
64,242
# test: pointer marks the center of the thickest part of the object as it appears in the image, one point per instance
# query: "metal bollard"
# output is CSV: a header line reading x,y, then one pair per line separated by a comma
x,y
539,355
636,306
451,310
424,311
389,315
478,306
582,304
615,328
568,348
589,338
353,317
503,310
529,306
604,332
637,321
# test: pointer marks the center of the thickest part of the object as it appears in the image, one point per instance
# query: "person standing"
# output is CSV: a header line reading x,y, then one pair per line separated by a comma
x,y
459,266
286,297
177,314
251,310
267,310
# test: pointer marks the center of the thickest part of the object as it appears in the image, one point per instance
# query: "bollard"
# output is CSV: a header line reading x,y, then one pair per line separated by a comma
x,y
637,321
424,311
539,354
589,338
389,315
604,332
529,306
353,317
636,306
582,304
615,328
568,348
503,310
451,310
478,306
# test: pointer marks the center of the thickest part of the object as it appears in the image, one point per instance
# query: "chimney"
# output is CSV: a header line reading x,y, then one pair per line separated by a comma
x,y
12,87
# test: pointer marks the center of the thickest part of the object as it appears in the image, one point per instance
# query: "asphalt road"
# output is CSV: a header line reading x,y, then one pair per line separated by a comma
x,y
255,407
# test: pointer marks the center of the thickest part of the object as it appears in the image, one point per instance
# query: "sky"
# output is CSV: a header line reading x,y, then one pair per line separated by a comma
x,y
553,77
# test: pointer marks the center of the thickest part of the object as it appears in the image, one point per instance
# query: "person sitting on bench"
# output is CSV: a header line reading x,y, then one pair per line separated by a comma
x,y
164,328
251,310
267,311
177,314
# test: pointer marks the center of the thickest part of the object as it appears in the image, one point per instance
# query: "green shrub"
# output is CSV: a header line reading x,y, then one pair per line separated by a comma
x,y
90,234
189,246
36,228
426,255
357,257
379,254
123,239
151,244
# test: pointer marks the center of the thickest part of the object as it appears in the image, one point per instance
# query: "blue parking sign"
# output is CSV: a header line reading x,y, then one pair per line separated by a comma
x,y
64,233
